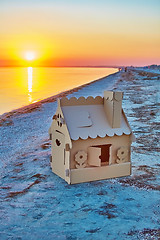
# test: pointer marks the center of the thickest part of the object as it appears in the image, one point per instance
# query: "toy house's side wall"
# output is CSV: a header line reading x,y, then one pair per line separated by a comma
x,y
58,164
96,173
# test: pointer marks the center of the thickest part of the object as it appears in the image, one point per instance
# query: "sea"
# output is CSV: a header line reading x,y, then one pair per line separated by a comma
x,y
20,86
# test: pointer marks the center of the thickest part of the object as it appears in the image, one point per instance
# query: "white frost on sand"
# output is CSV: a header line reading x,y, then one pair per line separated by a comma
x,y
37,204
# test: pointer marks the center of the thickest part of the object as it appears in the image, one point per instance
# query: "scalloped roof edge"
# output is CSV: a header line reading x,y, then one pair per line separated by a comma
x,y
81,101
111,135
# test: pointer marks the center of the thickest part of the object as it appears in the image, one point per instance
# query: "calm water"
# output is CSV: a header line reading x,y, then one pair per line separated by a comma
x,y
22,86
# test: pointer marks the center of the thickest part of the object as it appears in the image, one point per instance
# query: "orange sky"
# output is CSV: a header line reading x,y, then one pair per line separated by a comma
x,y
71,33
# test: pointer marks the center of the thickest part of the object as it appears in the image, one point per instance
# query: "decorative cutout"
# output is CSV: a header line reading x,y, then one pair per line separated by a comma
x,y
81,158
122,154
58,143
60,120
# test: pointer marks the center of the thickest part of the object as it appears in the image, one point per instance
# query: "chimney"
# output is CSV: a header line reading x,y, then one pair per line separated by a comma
x,y
113,108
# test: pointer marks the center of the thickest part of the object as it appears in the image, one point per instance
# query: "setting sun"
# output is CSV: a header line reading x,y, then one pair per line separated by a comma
x,y
30,56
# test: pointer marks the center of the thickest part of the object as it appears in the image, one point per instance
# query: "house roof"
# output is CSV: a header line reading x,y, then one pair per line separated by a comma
x,y
85,121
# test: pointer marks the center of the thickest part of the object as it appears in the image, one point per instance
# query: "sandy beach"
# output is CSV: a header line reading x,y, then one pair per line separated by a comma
x,y
36,204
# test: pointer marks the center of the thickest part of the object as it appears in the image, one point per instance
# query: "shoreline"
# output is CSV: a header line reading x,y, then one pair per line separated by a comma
x,y
34,106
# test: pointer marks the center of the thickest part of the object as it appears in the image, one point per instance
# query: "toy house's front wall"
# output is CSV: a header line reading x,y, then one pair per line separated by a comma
x,y
111,169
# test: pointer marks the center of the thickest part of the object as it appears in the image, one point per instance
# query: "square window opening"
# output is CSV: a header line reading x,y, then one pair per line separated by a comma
x,y
105,153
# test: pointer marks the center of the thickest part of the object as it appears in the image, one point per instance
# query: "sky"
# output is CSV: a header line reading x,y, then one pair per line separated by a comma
x,y
80,32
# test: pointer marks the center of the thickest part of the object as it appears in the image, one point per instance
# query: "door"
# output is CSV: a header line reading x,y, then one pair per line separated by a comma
x,y
94,154
99,155
58,153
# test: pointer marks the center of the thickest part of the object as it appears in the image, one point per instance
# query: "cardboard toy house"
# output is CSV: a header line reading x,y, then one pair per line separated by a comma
x,y
91,139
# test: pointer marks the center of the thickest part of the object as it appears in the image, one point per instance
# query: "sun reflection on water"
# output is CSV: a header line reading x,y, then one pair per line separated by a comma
x,y
30,70
23,86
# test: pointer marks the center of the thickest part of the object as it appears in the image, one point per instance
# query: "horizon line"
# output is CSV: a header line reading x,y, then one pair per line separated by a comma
x,y
79,66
